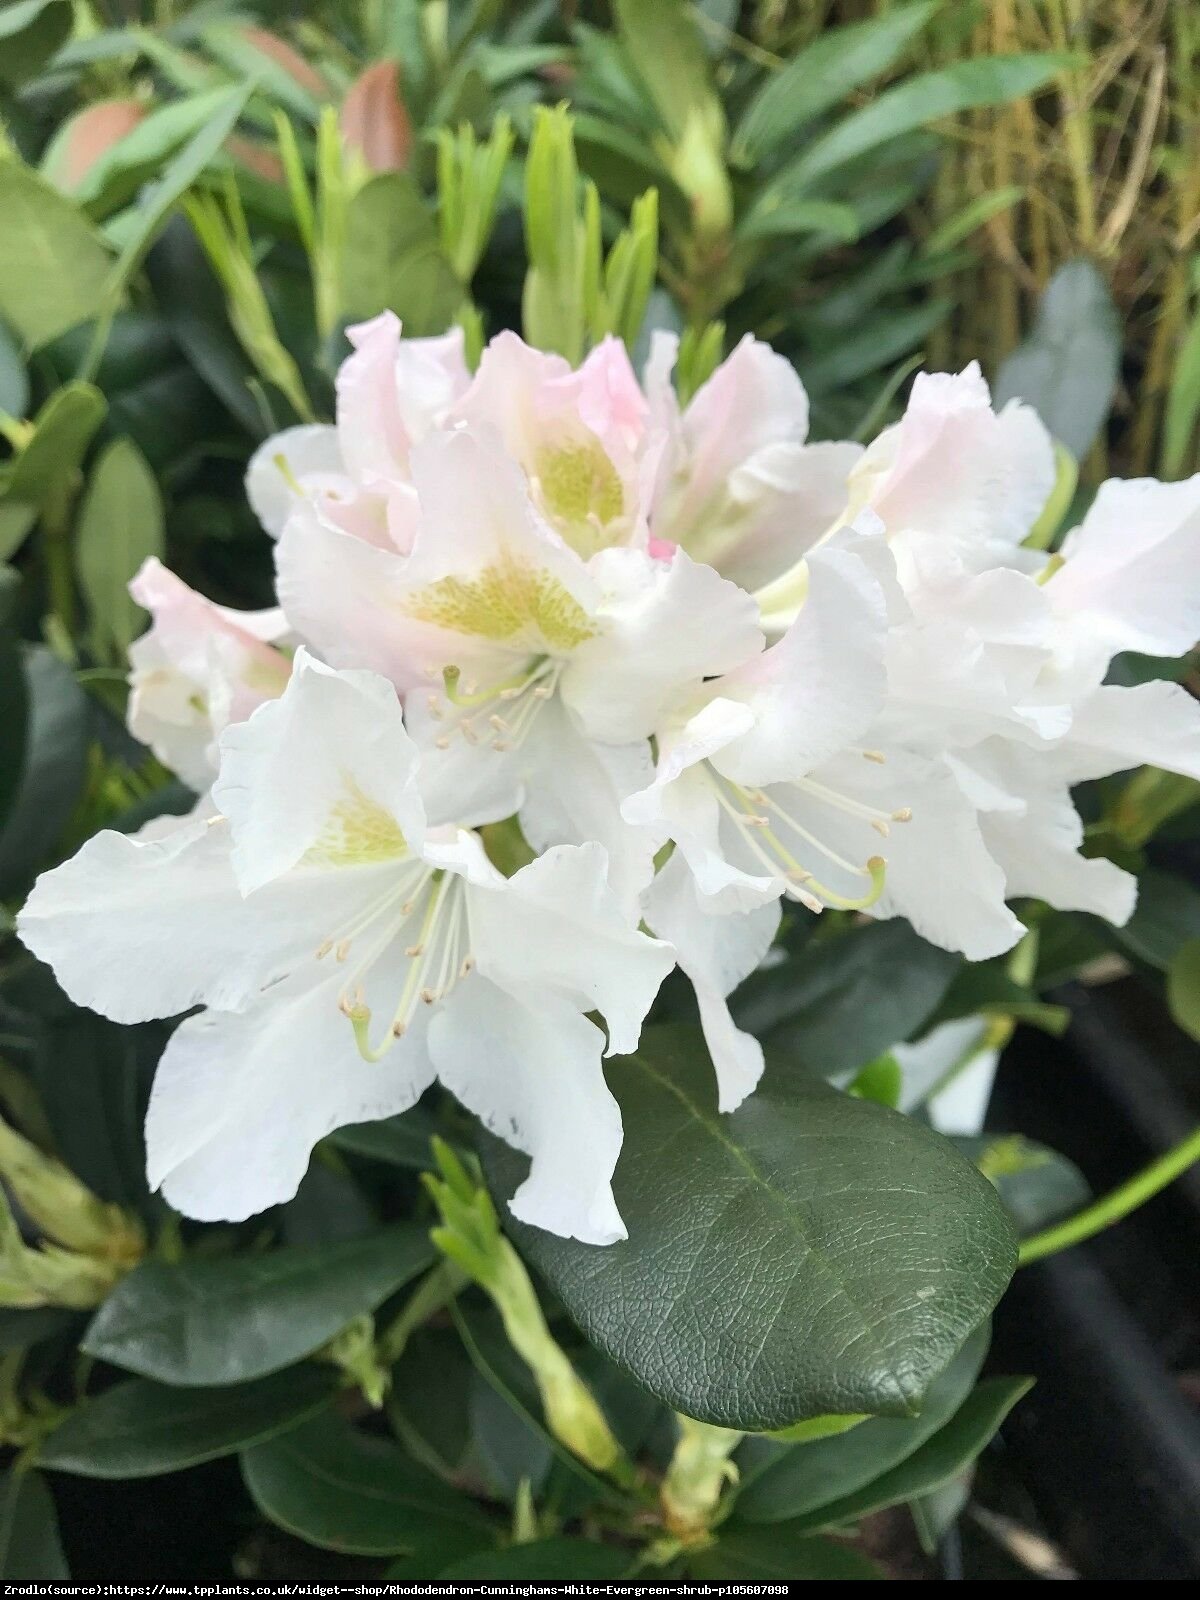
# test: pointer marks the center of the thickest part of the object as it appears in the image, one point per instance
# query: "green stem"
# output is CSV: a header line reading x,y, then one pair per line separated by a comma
x,y
60,577
1103,1213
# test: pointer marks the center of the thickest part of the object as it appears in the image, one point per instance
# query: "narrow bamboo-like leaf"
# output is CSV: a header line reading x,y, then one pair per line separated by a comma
x,y
820,75
1183,402
925,98
120,526
665,46
973,215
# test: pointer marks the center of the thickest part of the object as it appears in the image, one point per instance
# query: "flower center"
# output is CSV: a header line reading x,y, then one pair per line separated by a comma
x,y
423,910
580,491
499,714
509,603
768,825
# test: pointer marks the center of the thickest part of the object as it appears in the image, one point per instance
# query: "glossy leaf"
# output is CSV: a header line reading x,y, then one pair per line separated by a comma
x,y
1166,917
951,1450
779,1483
217,1322
845,1001
1067,368
120,526
30,1547
336,1487
140,1429
545,1560
818,76
747,1553
55,763
809,1253
54,266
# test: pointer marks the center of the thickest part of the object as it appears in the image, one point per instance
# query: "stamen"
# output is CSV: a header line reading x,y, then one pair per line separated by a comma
x,y
903,815
874,755
881,828
343,950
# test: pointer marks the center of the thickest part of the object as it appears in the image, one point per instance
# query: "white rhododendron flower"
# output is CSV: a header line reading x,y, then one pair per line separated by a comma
x,y
533,677
199,668
349,956
694,664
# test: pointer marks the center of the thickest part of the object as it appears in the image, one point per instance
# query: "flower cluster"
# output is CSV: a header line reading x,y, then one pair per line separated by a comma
x,y
672,664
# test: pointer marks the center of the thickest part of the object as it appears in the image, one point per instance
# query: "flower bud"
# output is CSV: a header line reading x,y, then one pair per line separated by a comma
x,y
284,55
699,1469
374,121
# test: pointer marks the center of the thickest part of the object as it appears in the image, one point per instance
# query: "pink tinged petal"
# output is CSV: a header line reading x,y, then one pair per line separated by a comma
x,y
818,690
556,927
1132,575
610,399
783,501
350,601
539,1086
275,478
239,1100
752,401
327,768
716,953
953,467
665,628
392,393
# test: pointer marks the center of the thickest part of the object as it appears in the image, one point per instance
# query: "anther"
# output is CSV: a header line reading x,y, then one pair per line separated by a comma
x,y
467,967
324,948
399,1029
753,820
511,694
468,732
501,744
496,721
874,755
881,828
414,950
903,815
542,691
809,900
443,742
343,950
428,996
436,710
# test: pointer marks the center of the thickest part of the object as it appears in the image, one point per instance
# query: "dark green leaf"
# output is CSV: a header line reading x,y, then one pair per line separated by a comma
x,y
14,699
780,1482
986,987
1167,916
54,266
30,32
1067,368
120,526
809,1253
1183,987
140,1429
747,1553
1036,1184
546,1560
401,1141
846,1000
218,1322
951,1450
820,75
986,81
30,1547
55,763
20,1329
338,1488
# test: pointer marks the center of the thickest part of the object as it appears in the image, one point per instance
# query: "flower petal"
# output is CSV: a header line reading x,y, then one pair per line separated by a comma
x,y
239,1100
716,953
279,466
556,927
540,1086
665,627
1132,572
327,770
